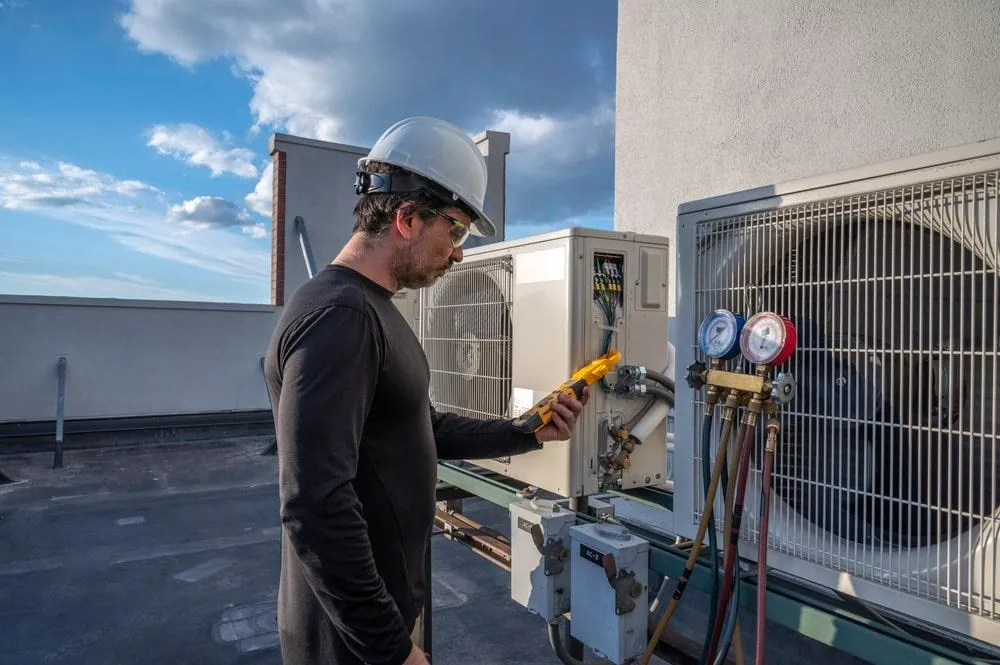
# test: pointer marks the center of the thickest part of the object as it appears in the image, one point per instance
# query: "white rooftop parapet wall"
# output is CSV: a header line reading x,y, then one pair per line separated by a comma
x,y
129,358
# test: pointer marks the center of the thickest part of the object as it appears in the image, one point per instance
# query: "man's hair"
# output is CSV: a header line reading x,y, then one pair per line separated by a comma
x,y
375,212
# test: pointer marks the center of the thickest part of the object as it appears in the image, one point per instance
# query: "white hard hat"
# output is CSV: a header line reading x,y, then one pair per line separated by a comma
x,y
439,152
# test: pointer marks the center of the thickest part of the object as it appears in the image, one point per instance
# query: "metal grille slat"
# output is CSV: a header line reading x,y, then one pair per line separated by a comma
x,y
466,333
888,456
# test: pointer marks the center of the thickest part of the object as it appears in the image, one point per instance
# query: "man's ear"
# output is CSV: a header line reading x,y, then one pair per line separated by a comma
x,y
404,222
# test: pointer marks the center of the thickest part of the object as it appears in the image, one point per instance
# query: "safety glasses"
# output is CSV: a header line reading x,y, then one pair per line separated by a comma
x,y
459,230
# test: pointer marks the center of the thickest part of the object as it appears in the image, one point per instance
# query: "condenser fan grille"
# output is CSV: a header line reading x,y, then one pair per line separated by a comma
x,y
887,465
466,333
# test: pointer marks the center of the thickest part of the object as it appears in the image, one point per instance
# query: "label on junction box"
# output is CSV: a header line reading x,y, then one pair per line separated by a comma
x,y
590,554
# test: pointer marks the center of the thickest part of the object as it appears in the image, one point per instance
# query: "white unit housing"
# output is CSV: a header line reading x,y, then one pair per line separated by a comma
x,y
407,301
886,473
539,551
610,576
515,319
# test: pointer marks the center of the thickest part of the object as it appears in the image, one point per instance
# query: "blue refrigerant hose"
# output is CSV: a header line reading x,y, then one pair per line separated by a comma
x,y
713,545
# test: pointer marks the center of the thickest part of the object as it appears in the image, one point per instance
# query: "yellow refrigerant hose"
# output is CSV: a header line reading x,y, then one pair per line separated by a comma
x,y
720,461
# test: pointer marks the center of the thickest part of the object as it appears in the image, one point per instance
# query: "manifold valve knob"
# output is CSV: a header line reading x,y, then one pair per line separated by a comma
x,y
695,374
783,388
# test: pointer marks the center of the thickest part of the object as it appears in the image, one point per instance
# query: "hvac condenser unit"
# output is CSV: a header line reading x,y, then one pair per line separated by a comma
x,y
515,319
887,468
407,301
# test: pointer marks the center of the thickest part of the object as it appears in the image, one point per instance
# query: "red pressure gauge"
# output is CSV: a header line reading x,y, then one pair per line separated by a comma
x,y
768,339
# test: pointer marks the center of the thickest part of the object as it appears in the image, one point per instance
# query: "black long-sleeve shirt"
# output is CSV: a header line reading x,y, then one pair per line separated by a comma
x,y
358,444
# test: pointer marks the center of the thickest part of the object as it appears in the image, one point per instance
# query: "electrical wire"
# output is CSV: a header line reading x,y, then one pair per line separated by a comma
x,y
607,294
555,641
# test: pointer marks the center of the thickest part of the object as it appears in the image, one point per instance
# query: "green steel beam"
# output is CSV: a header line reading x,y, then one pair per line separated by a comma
x,y
816,618
491,490
649,496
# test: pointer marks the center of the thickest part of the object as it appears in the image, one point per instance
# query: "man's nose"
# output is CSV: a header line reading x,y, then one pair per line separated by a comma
x,y
456,255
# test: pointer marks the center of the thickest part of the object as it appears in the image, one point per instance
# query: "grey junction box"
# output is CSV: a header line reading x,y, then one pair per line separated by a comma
x,y
609,569
539,549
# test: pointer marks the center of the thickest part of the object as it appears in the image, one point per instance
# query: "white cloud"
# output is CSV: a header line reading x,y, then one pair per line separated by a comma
x,y
260,199
65,185
133,213
213,212
546,144
196,146
344,71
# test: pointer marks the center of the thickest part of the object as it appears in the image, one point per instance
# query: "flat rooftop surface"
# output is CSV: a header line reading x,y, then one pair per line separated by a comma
x,y
170,555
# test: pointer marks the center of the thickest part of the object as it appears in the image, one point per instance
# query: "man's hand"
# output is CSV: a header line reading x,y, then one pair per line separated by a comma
x,y
416,657
565,410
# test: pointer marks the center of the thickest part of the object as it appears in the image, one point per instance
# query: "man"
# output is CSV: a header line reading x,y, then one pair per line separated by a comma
x,y
358,440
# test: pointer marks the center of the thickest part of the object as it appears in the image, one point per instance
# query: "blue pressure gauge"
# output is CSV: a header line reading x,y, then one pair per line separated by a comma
x,y
719,335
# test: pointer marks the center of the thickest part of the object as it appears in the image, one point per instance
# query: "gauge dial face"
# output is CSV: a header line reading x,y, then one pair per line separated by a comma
x,y
765,338
719,334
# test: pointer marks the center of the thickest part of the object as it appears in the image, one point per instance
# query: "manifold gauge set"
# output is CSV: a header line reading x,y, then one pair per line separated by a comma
x,y
765,338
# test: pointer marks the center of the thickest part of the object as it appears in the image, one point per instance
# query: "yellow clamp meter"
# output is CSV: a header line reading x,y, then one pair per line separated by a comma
x,y
541,413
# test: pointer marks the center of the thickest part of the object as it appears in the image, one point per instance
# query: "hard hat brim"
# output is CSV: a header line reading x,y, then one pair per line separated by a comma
x,y
482,225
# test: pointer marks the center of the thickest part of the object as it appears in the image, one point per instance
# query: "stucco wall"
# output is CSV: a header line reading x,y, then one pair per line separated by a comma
x,y
714,97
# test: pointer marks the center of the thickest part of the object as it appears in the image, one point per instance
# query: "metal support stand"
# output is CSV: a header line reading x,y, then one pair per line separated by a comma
x,y
574,647
57,461
307,255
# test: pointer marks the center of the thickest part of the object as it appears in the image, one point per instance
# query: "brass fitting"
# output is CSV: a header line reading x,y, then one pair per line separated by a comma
x,y
773,427
713,392
733,400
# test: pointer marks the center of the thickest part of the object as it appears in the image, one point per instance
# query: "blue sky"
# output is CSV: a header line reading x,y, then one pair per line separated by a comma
x,y
133,155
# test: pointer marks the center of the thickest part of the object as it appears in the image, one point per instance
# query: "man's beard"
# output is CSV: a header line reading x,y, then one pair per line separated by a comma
x,y
411,275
